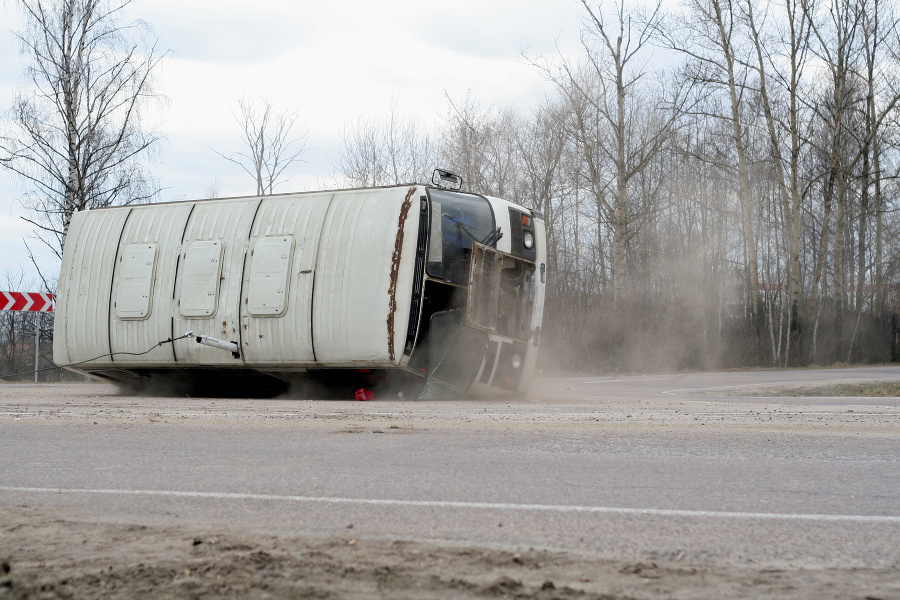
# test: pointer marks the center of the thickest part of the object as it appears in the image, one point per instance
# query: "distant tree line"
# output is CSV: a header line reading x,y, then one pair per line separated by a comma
x,y
735,208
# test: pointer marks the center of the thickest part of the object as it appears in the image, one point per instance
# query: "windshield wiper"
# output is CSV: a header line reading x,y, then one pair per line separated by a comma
x,y
492,238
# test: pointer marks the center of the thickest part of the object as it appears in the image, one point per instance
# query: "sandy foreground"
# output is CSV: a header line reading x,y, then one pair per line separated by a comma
x,y
48,555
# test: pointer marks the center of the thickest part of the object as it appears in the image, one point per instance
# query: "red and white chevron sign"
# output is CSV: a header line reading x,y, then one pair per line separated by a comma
x,y
30,301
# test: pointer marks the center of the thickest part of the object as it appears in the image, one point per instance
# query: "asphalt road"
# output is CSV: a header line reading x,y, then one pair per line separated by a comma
x,y
693,467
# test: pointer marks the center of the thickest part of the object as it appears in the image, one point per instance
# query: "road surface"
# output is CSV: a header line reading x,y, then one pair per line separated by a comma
x,y
639,474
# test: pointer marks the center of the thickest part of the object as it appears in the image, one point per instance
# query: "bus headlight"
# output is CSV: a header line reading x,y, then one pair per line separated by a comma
x,y
516,361
528,240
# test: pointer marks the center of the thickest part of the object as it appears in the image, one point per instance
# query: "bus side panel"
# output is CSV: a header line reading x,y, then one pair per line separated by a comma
x,y
85,282
352,308
158,227
227,224
287,337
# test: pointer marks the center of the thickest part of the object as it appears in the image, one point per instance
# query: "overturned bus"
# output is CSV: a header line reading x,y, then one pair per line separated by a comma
x,y
416,289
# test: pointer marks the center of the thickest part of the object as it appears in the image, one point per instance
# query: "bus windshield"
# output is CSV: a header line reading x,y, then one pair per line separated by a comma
x,y
457,220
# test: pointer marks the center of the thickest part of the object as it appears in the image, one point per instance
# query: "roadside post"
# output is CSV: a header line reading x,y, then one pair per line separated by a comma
x,y
35,302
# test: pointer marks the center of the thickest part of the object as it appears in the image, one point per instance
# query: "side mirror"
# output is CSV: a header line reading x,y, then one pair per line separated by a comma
x,y
446,180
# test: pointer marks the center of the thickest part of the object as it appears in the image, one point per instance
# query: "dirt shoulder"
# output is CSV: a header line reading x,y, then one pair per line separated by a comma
x,y
873,389
45,557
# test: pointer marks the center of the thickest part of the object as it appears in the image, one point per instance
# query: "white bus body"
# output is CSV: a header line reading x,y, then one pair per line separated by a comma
x,y
352,287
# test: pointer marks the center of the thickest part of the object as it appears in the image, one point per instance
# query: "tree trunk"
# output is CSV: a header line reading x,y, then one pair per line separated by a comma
x,y
790,193
620,218
839,267
879,231
752,265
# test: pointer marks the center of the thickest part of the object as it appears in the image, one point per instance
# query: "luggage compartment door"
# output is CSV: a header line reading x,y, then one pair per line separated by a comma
x,y
276,297
208,282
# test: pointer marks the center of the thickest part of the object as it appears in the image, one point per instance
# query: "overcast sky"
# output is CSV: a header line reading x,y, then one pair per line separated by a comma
x,y
335,61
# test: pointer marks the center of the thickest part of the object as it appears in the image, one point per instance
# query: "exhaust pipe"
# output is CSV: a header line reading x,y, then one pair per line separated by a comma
x,y
208,340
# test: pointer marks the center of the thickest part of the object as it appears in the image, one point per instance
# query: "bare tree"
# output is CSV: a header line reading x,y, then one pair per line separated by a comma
x,y
541,144
861,96
620,123
879,29
76,136
790,49
385,150
271,145
837,47
480,144
362,161
881,143
213,188
709,36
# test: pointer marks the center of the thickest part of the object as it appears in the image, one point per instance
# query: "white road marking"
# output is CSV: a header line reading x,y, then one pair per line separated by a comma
x,y
559,508
602,381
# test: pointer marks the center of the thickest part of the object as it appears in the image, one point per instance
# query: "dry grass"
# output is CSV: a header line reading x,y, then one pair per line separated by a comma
x,y
878,389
